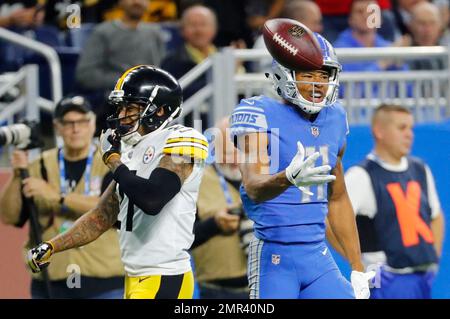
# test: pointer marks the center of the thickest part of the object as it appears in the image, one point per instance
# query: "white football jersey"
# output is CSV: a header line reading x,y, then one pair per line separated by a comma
x,y
157,245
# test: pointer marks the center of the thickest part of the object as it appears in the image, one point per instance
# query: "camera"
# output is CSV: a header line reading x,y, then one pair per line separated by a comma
x,y
23,135
237,211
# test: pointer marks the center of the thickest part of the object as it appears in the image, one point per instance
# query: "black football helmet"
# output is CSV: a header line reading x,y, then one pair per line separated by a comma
x,y
150,87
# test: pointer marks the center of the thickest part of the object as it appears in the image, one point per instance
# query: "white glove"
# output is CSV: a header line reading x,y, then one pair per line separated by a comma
x,y
360,283
302,173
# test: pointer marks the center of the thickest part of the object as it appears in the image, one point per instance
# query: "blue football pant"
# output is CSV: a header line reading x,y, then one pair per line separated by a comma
x,y
403,286
295,271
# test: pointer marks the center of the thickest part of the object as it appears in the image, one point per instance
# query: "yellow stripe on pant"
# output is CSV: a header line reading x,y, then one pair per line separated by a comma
x,y
160,287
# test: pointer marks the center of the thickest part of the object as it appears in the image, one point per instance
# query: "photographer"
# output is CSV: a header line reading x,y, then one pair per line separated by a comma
x,y
221,230
65,183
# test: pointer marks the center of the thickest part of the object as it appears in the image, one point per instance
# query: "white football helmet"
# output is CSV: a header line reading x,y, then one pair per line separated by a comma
x,y
285,83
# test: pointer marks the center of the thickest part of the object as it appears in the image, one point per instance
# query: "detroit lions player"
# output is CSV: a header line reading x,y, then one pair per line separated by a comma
x,y
157,169
287,197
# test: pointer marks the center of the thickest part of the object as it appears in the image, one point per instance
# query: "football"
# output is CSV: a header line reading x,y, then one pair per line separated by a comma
x,y
292,44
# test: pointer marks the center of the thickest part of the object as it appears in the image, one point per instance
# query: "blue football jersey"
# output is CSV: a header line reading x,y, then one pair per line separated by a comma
x,y
292,216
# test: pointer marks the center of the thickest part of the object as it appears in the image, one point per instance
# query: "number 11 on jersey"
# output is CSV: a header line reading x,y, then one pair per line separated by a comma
x,y
323,151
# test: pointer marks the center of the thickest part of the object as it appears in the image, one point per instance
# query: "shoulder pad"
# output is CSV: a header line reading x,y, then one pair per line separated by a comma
x,y
249,117
186,141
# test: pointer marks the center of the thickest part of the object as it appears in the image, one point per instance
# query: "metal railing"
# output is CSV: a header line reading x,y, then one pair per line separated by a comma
x,y
46,51
26,81
25,97
425,92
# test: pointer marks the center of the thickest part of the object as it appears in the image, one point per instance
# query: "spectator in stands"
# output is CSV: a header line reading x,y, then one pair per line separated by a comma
x,y
21,14
198,29
426,30
402,13
426,24
116,46
220,260
336,18
444,10
65,183
397,208
361,35
304,11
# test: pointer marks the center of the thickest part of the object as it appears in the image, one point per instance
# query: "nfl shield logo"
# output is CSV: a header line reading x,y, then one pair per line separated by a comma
x,y
276,259
296,31
315,131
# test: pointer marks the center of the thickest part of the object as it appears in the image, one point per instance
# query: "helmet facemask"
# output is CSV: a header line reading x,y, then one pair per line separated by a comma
x,y
286,85
129,133
146,118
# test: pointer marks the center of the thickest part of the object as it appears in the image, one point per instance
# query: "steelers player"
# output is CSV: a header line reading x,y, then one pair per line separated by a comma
x,y
157,170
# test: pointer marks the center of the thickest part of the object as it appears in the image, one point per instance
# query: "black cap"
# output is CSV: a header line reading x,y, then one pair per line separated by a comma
x,y
75,103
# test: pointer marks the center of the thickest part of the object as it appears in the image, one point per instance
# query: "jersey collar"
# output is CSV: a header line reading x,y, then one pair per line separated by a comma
x,y
401,167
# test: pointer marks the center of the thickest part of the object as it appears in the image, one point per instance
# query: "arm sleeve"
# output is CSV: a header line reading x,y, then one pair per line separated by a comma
x,y
107,179
151,194
433,197
248,117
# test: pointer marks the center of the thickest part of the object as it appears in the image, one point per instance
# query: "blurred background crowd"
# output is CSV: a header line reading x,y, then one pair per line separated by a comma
x,y
97,39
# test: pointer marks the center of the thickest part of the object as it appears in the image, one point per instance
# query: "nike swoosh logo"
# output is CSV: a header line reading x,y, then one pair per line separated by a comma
x,y
295,176
142,279
325,251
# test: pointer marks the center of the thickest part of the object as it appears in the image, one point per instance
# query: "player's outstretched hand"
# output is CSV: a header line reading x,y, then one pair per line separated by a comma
x,y
301,172
109,145
38,257
360,283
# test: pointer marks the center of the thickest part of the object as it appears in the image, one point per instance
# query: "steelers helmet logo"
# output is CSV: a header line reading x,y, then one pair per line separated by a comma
x,y
148,155
296,31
